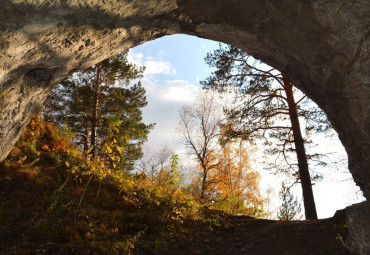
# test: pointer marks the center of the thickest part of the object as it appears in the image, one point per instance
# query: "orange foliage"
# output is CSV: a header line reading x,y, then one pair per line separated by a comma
x,y
40,139
234,176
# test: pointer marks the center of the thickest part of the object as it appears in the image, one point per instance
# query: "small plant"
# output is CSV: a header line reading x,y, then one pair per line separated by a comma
x,y
174,171
126,247
290,207
235,205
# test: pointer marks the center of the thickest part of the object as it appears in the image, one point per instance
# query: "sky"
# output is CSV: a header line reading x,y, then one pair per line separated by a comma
x,y
174,66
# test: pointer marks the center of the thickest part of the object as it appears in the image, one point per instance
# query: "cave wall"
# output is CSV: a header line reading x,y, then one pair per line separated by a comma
x,y
322,46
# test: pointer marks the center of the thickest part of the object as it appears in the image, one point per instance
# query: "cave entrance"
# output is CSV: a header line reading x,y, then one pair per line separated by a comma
x,y
45,41
175,66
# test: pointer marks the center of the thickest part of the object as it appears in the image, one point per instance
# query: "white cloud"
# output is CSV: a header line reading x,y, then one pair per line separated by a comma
x,y
135,58
158,67
179,91
165,99
153,66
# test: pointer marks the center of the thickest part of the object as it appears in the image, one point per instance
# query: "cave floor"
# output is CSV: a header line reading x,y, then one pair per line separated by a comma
x,y
246,235
27,227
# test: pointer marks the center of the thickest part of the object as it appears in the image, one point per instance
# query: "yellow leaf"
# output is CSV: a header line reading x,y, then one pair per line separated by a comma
x,y
89,150
119,148
67,163
106,148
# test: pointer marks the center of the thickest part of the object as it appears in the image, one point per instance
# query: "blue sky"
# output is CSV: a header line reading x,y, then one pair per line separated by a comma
x,y
184,53
174,66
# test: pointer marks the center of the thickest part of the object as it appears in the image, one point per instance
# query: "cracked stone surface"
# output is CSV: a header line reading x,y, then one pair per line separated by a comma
x,y
322,46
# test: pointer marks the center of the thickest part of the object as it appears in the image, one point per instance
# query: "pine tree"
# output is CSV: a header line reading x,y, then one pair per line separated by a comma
x,y
270,111
89,100
290,207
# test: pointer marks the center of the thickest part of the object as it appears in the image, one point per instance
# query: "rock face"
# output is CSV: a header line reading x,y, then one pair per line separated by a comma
x,y
321,46
358,223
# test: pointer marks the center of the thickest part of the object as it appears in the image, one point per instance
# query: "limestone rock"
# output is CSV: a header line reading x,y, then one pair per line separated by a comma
x,y
358,221
321,46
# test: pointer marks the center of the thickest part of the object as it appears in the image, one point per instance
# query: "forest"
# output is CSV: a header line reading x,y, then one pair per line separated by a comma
x,y
78,180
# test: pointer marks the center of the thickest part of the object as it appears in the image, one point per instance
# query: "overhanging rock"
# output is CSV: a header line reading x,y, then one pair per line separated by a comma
x,y
321,46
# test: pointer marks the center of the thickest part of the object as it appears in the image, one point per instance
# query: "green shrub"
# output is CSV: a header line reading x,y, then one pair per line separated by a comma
x,y
235,205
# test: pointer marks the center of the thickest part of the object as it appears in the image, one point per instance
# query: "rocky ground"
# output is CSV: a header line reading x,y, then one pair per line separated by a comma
x,y
26,227
246,235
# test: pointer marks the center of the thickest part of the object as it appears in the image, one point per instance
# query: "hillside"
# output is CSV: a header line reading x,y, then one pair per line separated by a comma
x,y
28,226
56,200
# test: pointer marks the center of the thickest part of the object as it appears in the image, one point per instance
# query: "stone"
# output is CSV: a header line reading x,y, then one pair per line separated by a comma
x,y
322,46
358,222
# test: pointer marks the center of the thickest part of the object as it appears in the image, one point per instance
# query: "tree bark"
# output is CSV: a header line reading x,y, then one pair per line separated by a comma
x,y
85,140
204,183
94,115
304,174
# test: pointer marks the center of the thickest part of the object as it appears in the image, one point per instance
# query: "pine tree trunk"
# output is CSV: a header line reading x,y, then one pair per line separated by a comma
x,y
304,174
86,140
204,184
94,115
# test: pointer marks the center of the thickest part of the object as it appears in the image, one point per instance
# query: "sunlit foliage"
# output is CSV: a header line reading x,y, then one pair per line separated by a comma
x,y
84,203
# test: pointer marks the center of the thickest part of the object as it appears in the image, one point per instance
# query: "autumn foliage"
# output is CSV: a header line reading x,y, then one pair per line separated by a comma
x,y
84,203
44,143
234,185
235,176
87,203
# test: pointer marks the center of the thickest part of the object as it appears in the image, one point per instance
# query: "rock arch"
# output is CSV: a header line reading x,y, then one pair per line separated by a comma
x,y
321,45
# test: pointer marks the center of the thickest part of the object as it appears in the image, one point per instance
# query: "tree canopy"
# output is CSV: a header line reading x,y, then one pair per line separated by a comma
x,y
90,101
266,107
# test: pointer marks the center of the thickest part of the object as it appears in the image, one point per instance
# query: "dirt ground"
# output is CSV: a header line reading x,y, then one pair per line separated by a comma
x,y
246,235
25,228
